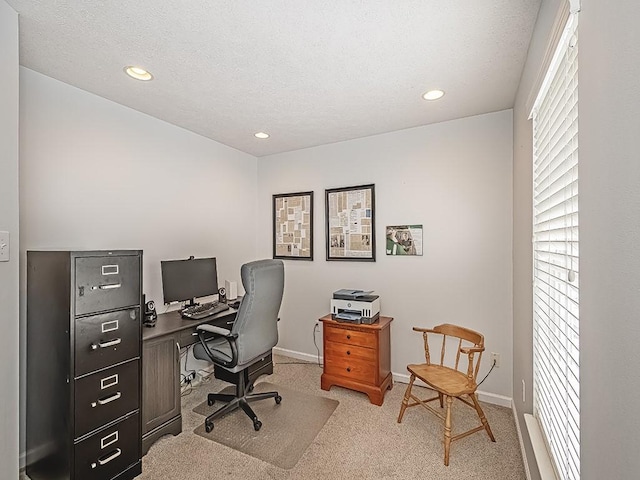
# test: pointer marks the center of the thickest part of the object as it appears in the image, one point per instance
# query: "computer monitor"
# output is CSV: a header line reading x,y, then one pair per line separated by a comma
x,y
186,280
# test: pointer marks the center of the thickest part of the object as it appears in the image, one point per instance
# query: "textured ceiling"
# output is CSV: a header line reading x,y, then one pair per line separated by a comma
x,y
307,72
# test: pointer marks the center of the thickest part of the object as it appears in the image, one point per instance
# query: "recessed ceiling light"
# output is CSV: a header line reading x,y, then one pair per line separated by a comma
x,y
261,135
433,95
138,73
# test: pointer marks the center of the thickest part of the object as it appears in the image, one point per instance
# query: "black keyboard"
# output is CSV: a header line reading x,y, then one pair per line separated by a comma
x,y
205,310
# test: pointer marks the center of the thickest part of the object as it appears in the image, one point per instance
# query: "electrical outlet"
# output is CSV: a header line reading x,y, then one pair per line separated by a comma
x,y
495,357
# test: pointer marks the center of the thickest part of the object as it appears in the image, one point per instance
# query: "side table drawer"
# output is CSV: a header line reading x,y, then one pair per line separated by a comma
x,y
109,452
344,352
353,369
351,337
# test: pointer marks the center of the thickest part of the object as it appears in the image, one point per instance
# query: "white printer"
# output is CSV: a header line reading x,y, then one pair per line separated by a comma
x,y
355,306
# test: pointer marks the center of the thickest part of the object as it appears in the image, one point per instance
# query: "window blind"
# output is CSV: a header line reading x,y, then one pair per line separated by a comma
x,y
556,376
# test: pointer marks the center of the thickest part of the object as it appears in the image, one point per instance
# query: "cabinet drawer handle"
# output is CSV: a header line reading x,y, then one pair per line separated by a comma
x,y
348,337
104,401
104,461
110,286
110,343
348,352
348,369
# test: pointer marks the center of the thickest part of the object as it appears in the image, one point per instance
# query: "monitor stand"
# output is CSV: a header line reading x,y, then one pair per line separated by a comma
x,y
191,303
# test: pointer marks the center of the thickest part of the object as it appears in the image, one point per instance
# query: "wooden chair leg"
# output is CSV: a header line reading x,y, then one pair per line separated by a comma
x,y
441,401
405,400
447,430
483,419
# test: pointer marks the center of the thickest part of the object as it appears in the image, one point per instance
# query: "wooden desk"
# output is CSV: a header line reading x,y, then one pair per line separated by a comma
x,y
161,414
357,357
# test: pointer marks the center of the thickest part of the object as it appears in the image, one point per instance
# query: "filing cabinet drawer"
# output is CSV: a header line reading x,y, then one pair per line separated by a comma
x,y
106,283
106,453
358,370
107,339
106,395
352,337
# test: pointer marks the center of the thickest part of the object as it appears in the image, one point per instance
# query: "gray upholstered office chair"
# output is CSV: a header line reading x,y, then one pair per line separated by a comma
x,y
250,340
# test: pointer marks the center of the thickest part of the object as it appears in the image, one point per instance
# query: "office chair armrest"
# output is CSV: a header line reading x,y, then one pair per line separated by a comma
x,y
219,332
223,332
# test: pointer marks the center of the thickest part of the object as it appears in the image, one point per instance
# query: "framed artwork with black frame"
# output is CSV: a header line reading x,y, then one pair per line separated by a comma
x,y
350,223
293,226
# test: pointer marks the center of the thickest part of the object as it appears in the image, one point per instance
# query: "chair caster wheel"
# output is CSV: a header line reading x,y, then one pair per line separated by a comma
x,y
208,426
257,424
278,399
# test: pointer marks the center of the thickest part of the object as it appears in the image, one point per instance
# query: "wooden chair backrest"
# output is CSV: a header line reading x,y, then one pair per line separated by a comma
x,y
470,343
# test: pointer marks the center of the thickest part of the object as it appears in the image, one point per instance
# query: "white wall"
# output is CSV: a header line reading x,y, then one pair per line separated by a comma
x,y
97,175
522,224
9,344
609,69
455,179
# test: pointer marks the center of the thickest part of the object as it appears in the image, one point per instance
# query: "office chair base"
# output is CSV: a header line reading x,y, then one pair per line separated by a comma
x,y
240,400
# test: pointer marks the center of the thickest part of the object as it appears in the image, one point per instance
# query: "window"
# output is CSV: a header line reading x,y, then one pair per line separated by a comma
x,y
556,376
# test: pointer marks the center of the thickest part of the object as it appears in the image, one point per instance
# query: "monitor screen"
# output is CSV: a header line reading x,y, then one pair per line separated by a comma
x,y
184,280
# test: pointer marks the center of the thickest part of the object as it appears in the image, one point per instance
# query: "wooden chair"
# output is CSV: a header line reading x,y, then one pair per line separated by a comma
x,y
449,382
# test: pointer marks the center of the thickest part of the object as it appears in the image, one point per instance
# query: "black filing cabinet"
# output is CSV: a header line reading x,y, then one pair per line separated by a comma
x,y
84,365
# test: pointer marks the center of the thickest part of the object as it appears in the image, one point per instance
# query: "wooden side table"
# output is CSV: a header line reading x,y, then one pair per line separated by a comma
x,y
358,357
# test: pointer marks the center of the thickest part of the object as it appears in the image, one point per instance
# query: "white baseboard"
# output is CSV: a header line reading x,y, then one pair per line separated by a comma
x,y
492,398
521,441
297,355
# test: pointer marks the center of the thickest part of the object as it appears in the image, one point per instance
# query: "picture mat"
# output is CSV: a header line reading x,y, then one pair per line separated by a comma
x,y
351,223
293,226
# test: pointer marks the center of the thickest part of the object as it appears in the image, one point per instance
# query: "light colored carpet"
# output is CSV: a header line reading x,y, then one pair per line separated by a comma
x,y
298,412
360,440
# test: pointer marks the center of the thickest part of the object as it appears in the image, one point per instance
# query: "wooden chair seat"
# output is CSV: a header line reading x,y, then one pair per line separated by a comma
x,y
443,379
449,382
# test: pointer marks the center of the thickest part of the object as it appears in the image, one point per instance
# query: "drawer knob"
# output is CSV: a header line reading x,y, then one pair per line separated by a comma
x,y
348,369
348,352
348,337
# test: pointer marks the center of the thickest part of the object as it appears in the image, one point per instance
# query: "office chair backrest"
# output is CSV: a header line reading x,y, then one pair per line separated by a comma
x,y
257,319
